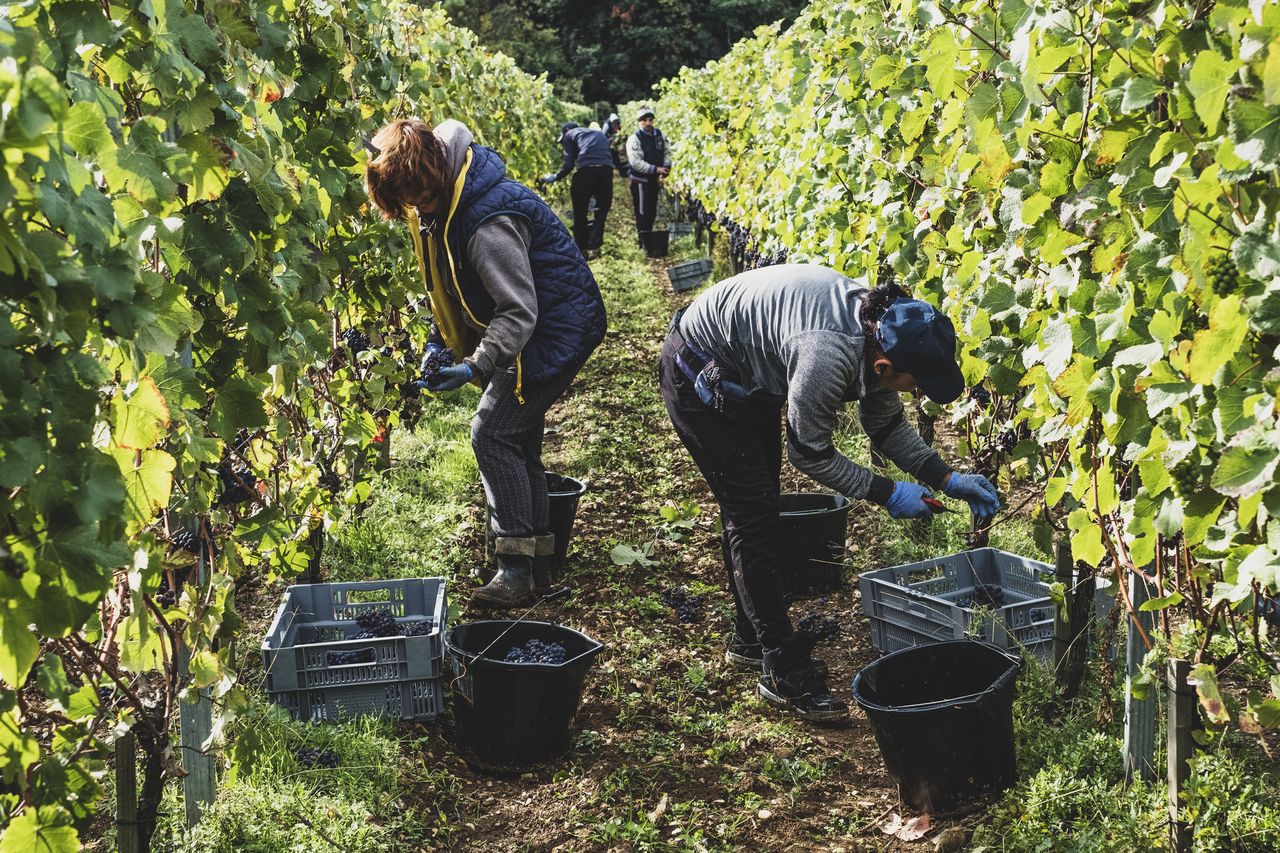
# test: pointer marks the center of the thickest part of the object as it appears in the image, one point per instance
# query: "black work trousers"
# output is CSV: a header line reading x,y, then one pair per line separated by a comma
x,y
739,452
506,435
644,198
588,183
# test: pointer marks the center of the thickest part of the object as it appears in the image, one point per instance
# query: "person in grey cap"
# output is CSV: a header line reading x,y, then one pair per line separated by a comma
x,y
586,149
649,161
806,340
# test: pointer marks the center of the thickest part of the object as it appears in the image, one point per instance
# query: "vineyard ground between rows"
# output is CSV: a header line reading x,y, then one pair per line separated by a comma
x,y
673,749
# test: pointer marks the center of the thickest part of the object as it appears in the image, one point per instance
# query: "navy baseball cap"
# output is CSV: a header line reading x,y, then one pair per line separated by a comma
x,y
920,340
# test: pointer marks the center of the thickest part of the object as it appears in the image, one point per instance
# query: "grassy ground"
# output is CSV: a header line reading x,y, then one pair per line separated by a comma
x,y
673,750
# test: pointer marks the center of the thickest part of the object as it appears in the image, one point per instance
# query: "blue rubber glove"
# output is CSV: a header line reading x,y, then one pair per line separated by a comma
x,y
976,490
907,501
547,179
450,378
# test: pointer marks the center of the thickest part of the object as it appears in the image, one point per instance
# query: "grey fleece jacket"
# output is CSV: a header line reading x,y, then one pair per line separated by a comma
x,y
499,253
794,331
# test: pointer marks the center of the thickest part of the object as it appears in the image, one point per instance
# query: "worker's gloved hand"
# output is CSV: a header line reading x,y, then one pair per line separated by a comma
x,y
430,357
907,501
547,179
452,377
976,490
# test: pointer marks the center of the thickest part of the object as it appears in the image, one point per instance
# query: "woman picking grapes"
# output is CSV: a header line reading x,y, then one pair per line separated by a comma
x,y
807,339
513,298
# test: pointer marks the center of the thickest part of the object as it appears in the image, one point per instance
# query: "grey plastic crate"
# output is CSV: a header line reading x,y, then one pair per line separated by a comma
x,y
315,622
420,701
919,602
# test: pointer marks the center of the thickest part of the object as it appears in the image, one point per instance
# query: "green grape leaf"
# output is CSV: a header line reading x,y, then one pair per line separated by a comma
x,y
143,419
1215,346
85,129
1248,465
1205,679
1209,83
34,831
148,478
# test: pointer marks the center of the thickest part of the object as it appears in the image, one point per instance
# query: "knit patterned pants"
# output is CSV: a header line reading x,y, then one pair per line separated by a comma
x,y
507,439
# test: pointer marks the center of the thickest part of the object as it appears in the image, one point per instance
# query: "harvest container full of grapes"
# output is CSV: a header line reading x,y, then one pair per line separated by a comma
x,y
340,650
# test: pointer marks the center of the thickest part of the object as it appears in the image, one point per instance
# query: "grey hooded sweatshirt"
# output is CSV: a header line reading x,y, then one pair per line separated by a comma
x,y
499,253
794,332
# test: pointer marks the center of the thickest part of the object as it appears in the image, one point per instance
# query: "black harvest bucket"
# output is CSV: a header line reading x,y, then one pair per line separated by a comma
x,y
812,542
563,494
514,716
942,714
656,243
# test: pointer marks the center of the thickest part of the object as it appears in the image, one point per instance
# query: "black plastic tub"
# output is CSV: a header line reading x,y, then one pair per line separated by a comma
x,y
511,717
811,547
656,243
563,494
943,717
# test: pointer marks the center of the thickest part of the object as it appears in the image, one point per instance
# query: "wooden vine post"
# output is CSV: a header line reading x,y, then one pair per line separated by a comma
x,y
128,838
1074,620
1139,714
1182,722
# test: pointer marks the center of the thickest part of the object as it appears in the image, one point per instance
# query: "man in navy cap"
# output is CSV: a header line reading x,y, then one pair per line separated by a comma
x,y
807,340
587,150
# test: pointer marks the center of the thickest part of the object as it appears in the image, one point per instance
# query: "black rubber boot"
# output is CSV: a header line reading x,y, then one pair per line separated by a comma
x,y
512,586
790,682
543,583
749,654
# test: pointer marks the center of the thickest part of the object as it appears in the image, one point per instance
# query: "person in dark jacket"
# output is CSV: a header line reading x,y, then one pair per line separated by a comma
x,y
514,300
617,144
649,162
806,340
588,150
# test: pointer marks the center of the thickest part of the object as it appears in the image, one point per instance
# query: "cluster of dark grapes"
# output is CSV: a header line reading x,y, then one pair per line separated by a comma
x,y
185,540
984,595
237,483
1186,476
330,481
316,757
376,623
434,362
345,658
980,395
686,606
166,597
355,340
1007,441
699,214
420,628
1224,275
821,627
536,651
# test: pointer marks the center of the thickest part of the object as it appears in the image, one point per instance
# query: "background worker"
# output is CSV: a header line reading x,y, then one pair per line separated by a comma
x,y
649,162
807,339
617,144
514,299
588,150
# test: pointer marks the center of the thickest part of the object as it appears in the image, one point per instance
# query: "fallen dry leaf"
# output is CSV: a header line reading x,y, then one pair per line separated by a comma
x,y
910,829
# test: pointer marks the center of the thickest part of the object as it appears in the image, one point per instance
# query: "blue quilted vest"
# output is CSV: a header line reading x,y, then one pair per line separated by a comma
x,y
571,321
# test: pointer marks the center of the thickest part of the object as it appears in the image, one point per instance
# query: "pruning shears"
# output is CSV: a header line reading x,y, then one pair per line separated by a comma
x,y
937,505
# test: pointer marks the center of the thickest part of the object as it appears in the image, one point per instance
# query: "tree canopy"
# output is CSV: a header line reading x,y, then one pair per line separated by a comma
x,y
614,51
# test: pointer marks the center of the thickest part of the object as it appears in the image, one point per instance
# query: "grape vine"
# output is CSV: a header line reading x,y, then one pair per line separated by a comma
x,y
1091,190
205,338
